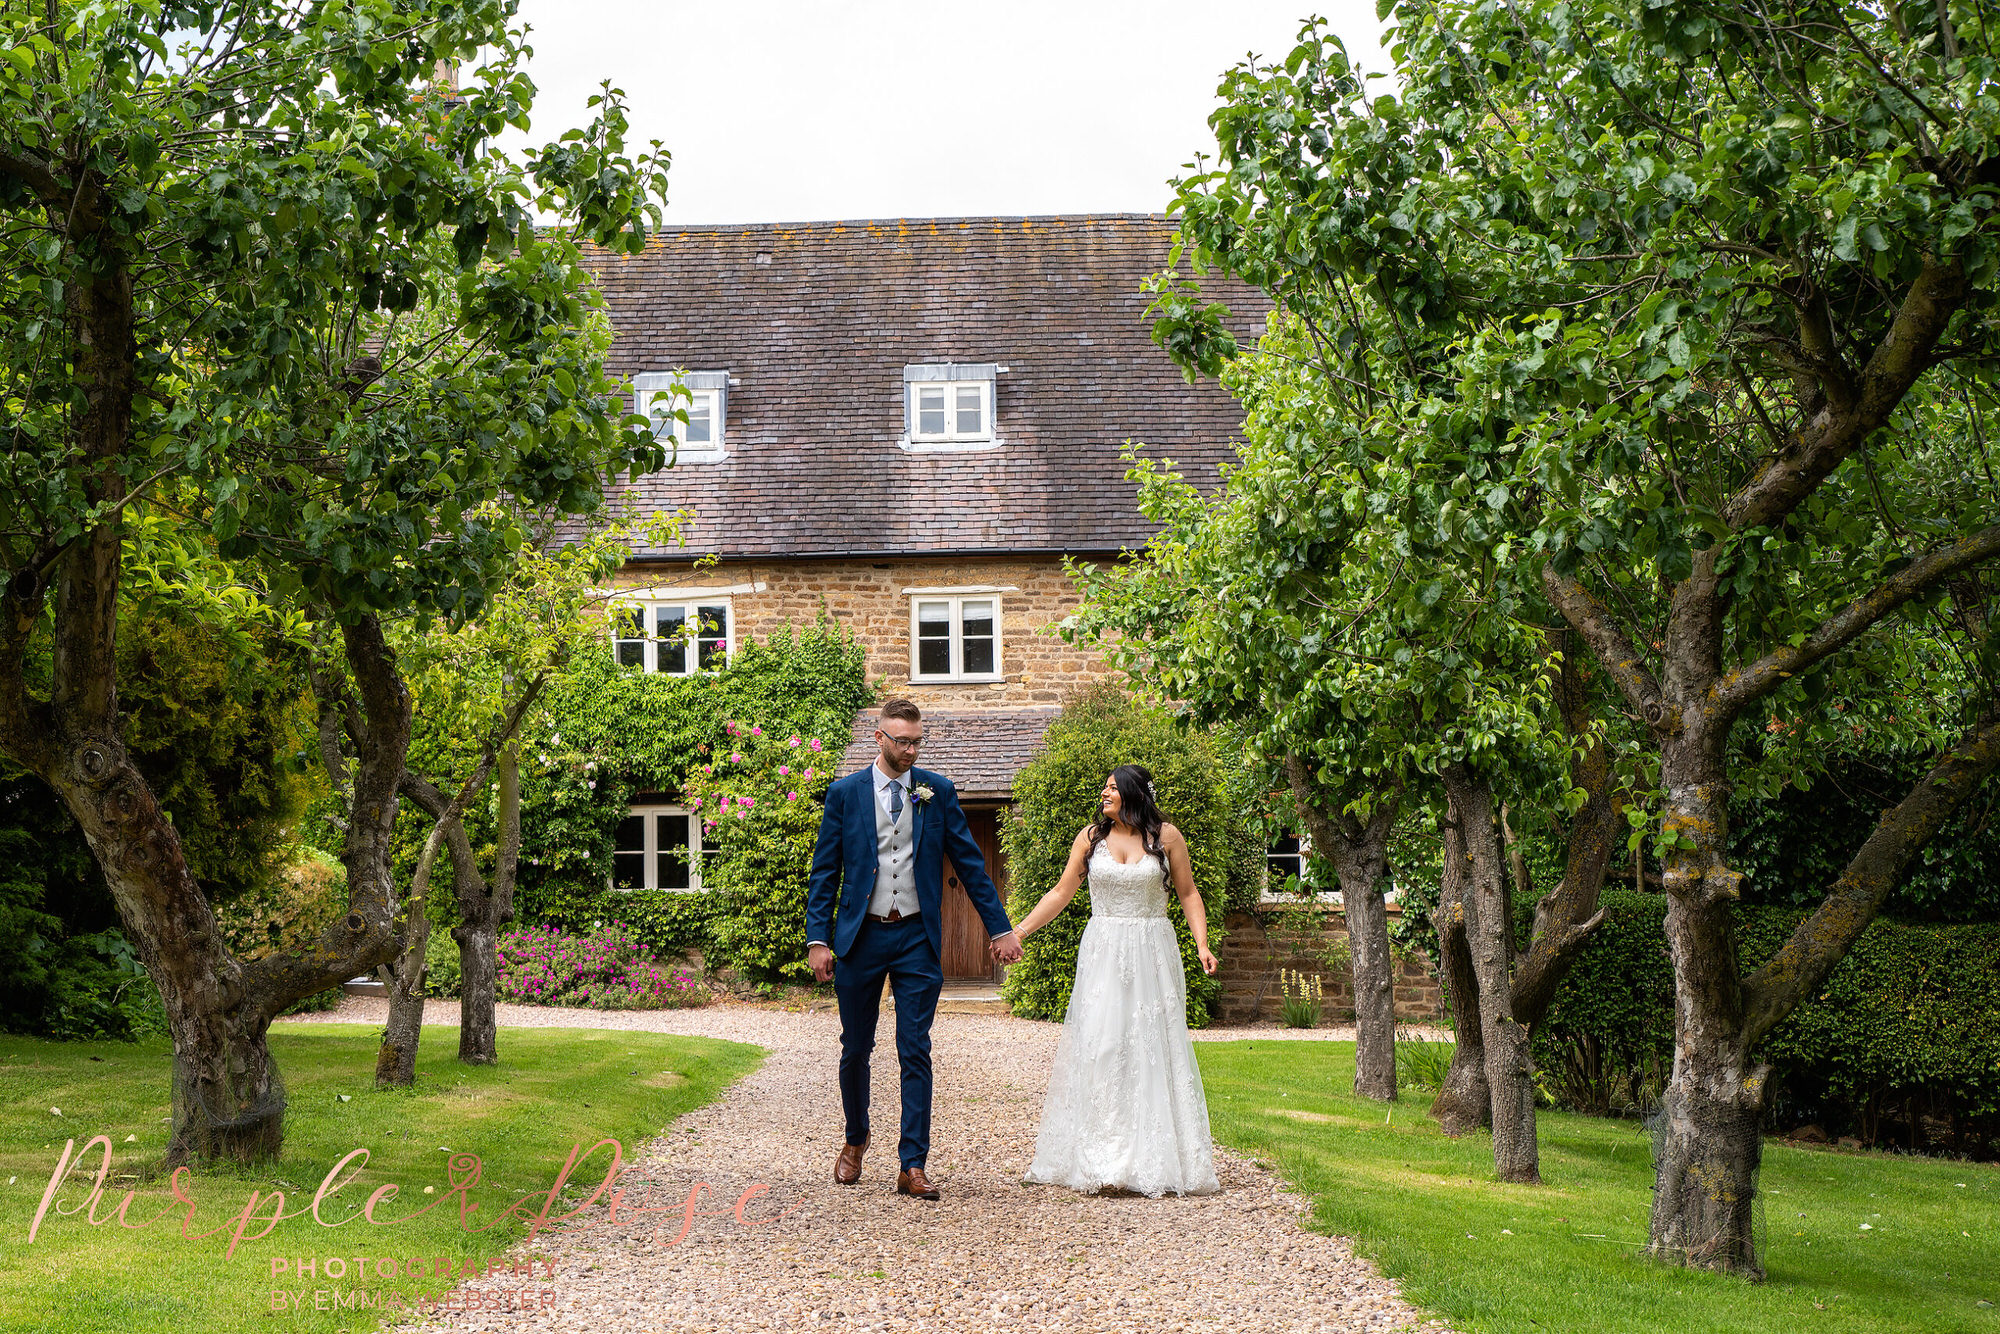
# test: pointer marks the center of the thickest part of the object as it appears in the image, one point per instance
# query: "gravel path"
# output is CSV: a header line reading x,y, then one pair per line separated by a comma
x,y
992,1254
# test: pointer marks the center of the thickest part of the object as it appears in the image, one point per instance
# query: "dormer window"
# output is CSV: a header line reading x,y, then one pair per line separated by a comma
x,y
699,439
949,405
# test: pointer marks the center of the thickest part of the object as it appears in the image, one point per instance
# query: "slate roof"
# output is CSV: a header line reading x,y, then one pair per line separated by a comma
x,y
817,322
979,750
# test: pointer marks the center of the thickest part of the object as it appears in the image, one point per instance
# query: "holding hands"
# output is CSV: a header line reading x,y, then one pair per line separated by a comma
x,y
1005,949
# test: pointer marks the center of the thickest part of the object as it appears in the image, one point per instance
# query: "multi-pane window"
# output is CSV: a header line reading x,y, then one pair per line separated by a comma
x,y
1286,858
701,431
658,847
956,638
951,412
672,637
949,404
701,395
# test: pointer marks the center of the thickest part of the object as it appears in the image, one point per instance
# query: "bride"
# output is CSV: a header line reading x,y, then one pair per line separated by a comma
x,y
1125,1109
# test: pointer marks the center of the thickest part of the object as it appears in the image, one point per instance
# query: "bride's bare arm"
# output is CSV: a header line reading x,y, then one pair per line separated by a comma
x,y
1191,905
1058,898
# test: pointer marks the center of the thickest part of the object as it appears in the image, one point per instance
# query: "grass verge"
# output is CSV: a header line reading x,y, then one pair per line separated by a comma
x,y
1855,1243
553,1089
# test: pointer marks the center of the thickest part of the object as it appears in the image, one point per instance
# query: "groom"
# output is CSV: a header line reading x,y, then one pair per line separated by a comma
x,y
876,903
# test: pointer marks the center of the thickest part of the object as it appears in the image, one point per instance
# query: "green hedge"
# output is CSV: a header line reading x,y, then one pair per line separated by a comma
x,y
1909,1022
611,733
1057,793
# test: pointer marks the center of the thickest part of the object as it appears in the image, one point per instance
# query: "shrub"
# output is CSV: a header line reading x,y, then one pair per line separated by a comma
x,y
1608,1038
442,975
290,911
1421,1063
759,797
1908,1026
1056,794
607,969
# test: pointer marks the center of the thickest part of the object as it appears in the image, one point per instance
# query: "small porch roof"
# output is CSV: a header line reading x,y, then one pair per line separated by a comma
x,y
979,750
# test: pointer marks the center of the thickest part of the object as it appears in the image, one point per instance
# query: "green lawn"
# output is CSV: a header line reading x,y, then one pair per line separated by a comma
x,y
553,1088
1564,1256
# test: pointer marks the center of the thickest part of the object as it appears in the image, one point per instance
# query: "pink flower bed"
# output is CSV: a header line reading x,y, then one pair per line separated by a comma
x,y
607,969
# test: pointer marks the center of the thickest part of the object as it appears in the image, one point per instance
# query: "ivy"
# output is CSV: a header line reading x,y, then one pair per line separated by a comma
x,y
612,733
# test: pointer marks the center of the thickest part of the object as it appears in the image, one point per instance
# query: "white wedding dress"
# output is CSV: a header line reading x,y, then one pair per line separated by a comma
x,y
1125,1107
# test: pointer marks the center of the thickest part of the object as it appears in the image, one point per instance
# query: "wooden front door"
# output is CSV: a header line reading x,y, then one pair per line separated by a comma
x,y
965,956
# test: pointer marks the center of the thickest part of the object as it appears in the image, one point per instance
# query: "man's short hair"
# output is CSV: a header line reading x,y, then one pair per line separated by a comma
x,y
902,708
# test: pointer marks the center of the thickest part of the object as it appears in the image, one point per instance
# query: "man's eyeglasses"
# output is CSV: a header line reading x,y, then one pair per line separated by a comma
x,y
900,742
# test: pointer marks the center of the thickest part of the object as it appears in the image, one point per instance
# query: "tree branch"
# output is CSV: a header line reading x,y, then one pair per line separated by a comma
x,y
37,175
1594,623
1738,689
1823,939
1838,429
1566,916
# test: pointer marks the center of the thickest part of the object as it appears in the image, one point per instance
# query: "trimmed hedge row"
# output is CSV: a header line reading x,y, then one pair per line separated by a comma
x,y
1906,1029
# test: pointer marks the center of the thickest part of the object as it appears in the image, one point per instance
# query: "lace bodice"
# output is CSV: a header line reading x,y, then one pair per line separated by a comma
x,y
1118,890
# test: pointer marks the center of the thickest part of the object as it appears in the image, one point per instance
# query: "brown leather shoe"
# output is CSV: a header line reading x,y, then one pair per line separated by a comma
x,y
847,1167
912,1181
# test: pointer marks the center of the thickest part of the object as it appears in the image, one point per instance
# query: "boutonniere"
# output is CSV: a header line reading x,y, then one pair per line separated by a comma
x,y
921,793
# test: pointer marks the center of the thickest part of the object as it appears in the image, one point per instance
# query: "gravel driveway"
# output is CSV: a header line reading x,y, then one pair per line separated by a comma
x,y
992,1254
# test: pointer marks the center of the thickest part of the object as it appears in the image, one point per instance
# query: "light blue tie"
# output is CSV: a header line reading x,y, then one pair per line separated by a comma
x,y
895,802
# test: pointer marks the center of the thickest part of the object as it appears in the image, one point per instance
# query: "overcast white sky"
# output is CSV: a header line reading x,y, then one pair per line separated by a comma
x,y
793,111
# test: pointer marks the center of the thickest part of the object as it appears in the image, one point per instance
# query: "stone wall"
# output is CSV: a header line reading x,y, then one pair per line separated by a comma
x,y
871,598
1258,947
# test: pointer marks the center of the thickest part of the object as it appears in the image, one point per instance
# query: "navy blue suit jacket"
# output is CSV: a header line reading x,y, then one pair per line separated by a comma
x,y
845,861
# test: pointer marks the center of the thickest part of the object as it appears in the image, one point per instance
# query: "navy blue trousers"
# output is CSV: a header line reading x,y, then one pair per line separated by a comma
x,y
902,952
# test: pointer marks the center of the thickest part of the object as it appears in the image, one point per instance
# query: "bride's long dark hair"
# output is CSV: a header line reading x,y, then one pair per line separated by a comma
x,y
1137,808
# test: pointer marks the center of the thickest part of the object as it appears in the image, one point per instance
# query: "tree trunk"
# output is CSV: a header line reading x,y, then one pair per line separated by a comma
x,y
1708,1139
396,1059
1490,938
1465,1103
481,915
479,985
227,1099
1706,1149
396,1062
1361,870
1360,856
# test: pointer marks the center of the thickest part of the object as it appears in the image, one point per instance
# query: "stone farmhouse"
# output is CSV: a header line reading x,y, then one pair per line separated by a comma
x,y
910,424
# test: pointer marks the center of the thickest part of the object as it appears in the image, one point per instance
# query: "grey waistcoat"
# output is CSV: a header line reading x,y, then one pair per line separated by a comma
x,y
896,871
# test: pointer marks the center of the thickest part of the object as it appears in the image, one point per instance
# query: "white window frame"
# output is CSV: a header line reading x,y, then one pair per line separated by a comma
x,y
709,389
1268,894
957,603
1304,854
651,850
949,378
689,605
